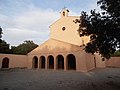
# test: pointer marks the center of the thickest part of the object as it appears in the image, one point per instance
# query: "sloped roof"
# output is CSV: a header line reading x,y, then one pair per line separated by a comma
x,y
57,21
55,46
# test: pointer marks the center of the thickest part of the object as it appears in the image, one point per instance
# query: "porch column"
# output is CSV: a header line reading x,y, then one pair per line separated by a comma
x,y
46,64
65,64
55,64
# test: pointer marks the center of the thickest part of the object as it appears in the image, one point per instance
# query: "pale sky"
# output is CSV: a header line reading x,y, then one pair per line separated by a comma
x,y
30,19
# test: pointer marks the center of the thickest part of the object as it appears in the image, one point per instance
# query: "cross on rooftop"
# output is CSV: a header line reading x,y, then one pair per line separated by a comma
x,y
64,7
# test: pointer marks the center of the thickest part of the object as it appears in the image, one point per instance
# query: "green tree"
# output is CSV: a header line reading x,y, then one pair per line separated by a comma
x,y
0,34
116,54
4,47
103,28
24,48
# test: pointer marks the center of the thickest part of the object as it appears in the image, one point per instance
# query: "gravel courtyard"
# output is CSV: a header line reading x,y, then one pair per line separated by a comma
x,y
24,79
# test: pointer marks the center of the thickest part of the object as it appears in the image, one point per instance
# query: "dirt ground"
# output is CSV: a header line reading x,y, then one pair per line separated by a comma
x,y
24,79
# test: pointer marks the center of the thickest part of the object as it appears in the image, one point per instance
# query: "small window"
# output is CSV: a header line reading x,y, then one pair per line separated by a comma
x,y
63,13
63,28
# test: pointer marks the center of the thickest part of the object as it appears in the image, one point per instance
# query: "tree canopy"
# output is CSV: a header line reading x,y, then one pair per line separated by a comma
x,y
116,54
102,27
4,47
24,48
0,34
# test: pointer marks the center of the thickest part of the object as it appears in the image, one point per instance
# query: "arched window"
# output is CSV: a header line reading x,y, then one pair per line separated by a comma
x,y
63,13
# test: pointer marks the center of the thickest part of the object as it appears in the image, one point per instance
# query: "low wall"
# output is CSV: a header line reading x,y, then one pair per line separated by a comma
x,y
99,62
113,62
15,61
89,61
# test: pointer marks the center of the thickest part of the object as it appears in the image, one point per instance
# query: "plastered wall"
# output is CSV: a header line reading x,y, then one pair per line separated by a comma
x,y
14,60
113,62
70,34
99,62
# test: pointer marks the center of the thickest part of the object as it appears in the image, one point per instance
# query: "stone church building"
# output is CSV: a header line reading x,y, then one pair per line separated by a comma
x,y
62,51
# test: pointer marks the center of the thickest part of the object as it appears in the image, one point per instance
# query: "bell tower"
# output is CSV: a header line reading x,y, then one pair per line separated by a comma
x,y
64,12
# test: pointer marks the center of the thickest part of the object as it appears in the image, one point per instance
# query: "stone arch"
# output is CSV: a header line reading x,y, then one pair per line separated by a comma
x,y
42,62
35,62
71,62
60,62
5,62
50,63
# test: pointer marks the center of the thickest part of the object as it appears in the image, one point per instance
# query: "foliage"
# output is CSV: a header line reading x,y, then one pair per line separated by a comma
x,y
4,47
116,54
24,48
0,34
103,28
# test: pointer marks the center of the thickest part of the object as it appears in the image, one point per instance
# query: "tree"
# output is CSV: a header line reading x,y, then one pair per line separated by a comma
x,y
24,48
103,28
0,34
116,54
4,47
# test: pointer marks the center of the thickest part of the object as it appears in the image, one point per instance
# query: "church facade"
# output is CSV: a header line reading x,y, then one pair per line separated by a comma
x,y
62,51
